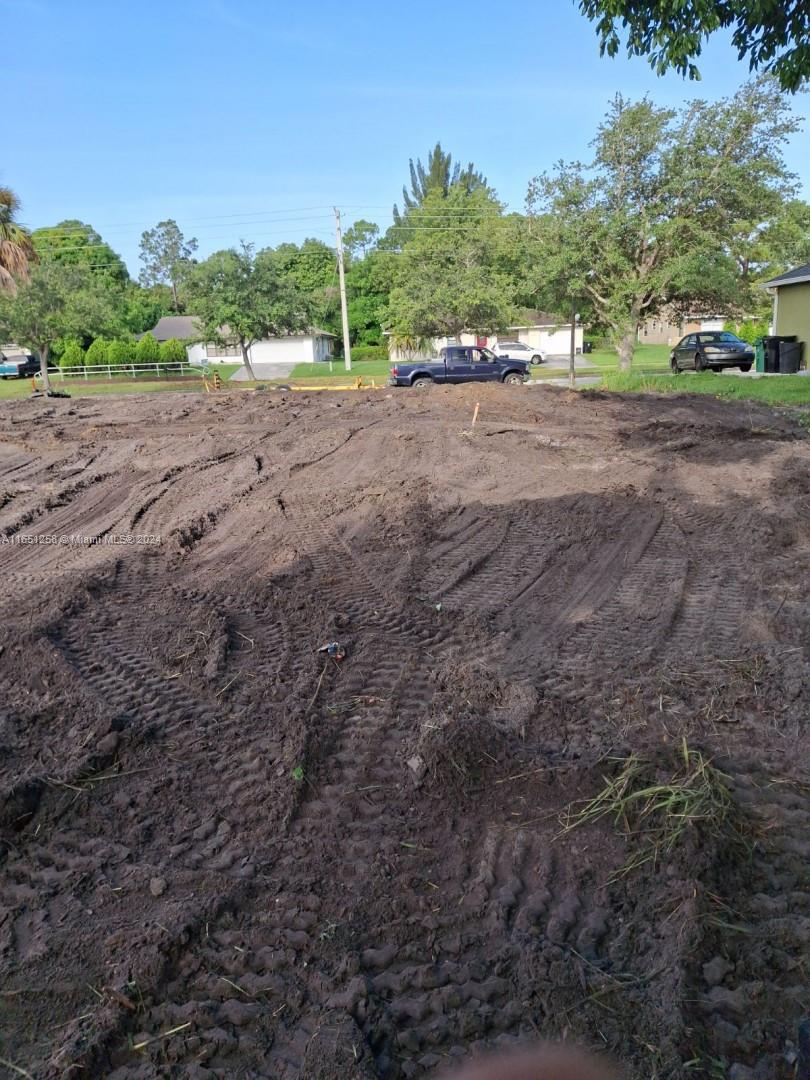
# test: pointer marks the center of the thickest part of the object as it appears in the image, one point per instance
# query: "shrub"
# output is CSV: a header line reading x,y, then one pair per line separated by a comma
x,y
369,352
120,353
72,356
97,353
147,351
749,329
173,352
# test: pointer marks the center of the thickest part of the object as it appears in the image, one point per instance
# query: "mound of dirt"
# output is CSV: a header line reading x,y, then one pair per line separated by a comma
x,y
224,852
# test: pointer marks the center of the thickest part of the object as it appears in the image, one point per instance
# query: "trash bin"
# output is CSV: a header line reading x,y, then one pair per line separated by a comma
x,y
759,354
587,346
790,357
772,344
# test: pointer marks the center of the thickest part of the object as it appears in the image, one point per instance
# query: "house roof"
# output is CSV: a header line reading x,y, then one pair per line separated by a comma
x,y
185,327
181,327
792,277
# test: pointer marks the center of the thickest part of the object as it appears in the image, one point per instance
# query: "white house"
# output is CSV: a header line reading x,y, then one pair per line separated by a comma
x,y
305,348
545,333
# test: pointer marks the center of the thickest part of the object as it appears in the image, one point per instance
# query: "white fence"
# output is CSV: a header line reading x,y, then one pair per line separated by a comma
x,y
122,371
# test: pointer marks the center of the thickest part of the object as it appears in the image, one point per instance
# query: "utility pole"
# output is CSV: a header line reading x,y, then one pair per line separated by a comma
x,y
344,311
572,379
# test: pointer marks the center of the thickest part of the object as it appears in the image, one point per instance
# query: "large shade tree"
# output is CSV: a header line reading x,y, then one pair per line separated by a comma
x,y
773,35
239,296
651,222
56,301
16,249
449,276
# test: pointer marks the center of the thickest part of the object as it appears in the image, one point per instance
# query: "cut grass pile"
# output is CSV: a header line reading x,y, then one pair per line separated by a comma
x,y
656,811
773,390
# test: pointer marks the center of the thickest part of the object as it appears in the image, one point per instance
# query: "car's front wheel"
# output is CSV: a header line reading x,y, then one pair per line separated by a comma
x,y
745,367
513,379
673,365
537,359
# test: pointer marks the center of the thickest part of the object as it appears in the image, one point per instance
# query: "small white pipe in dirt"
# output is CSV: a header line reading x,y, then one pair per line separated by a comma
x,y
475,414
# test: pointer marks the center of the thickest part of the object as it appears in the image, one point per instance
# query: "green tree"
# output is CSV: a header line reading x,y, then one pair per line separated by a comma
x,y
437,177
147,351
72,355
448,279
368,287
648,223
73,243
167,257
311,268
361,237
173,352
141,308
243,297
57,301
16,249
97,353
120,352
772,34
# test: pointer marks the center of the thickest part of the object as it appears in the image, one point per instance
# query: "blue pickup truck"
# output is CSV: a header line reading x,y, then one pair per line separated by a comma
x,y
460,364
19,366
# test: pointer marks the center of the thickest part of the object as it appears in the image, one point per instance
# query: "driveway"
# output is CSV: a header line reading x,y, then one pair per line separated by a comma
x,y
264,371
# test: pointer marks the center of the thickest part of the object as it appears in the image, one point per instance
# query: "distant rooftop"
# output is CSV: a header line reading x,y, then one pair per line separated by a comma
x,y
186,327
792,277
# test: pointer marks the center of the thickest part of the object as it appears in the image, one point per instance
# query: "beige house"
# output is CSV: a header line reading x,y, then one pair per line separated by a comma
x,y
791,304
668,330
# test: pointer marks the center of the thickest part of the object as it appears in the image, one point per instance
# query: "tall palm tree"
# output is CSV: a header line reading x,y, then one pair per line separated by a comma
x,y
16,249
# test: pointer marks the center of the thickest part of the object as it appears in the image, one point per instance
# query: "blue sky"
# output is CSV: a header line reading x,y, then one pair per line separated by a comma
x,y
251,118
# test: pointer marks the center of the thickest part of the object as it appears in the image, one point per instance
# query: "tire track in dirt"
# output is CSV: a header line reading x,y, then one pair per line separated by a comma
x,y
379,700
759,918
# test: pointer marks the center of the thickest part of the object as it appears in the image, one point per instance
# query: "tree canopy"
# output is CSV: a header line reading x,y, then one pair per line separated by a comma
x,y
243,297
773,35
437,178
449,277
58,300
166,256
650,223
74,243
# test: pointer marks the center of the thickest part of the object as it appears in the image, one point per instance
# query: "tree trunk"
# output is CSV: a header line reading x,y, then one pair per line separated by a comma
x,y
625,347
174,295
44,353
246,360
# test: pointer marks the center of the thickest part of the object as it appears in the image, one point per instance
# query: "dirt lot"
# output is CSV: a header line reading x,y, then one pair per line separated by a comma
x,y
224,854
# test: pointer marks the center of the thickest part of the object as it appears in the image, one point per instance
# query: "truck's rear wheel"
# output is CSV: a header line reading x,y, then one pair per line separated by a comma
x,y
513,379
421,383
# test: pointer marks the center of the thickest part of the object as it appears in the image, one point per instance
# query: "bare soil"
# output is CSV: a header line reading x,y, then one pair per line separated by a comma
x,y
224,854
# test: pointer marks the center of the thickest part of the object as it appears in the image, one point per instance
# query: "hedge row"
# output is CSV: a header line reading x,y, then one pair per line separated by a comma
x,y
120,353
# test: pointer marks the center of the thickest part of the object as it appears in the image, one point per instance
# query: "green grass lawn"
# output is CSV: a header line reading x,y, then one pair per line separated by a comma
x,y
776,390
646,358
319,373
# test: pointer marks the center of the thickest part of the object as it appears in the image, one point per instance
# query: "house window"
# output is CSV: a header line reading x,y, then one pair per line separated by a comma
x,y
213,351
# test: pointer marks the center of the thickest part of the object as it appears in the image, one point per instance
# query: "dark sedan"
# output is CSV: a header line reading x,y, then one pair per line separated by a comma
x,y
711,350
